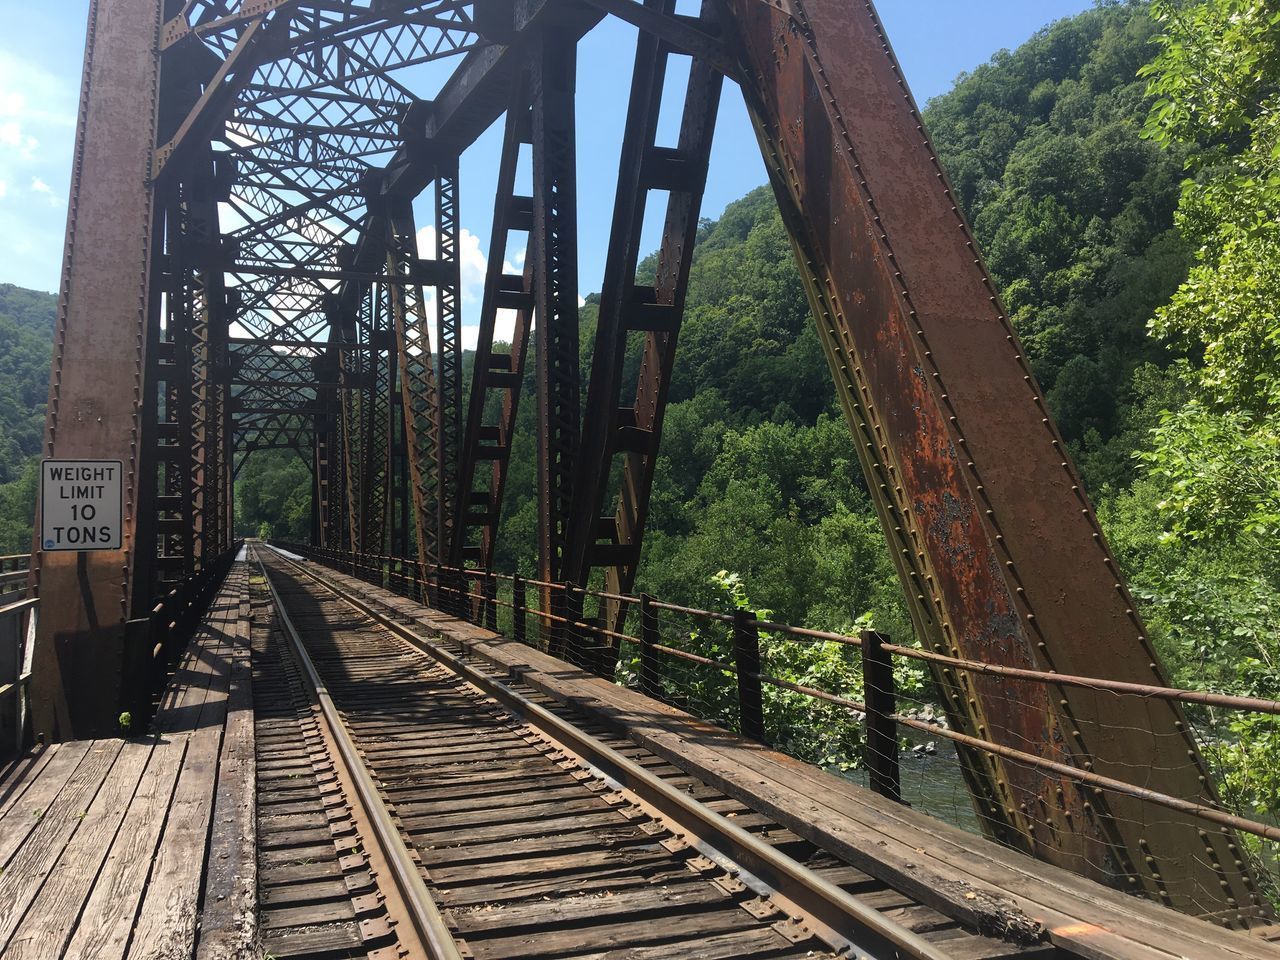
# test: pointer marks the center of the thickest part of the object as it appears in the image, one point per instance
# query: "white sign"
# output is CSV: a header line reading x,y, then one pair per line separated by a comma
x,y
80,504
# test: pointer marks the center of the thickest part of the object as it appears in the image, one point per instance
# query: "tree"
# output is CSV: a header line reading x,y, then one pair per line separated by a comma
x,y
1217,78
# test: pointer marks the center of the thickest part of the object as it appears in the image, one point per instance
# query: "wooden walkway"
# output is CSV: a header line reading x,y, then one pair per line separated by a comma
x,y
103,843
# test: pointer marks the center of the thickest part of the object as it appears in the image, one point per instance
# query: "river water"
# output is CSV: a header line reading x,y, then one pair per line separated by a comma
x,y
932,784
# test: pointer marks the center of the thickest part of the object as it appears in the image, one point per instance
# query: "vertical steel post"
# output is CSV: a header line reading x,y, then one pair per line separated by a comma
x,y
650,660
518,601
491,601
99,370
418,384
746,660
449,343
622,424
879,697
555,256
496,375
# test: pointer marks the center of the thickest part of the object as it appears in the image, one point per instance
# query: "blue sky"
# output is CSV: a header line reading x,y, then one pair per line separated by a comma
x,y
40,64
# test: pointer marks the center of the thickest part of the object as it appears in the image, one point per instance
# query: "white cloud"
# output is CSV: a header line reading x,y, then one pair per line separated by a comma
x,y
471,260
37,134
39,186
14,140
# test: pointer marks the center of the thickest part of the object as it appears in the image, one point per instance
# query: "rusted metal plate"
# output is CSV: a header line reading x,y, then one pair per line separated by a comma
x,y
998,547
95,393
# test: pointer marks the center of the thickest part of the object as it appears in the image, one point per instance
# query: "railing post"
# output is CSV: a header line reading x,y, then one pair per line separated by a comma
x,y
518,600
746,648
555,632
577,639
10,672
491,601
461,593
650,663
882,731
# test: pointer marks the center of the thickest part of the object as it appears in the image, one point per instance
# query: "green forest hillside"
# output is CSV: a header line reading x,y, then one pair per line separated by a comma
x,y
1120,170
26,343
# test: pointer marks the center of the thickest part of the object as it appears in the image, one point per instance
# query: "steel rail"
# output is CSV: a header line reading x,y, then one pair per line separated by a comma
x,y
429,925
831,913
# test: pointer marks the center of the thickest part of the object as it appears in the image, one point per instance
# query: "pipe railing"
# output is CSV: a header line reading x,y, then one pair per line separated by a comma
x,y
14,571
18,621
566,632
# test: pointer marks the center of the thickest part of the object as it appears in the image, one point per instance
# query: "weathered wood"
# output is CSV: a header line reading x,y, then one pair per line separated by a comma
x,y
634,856
167,919
530,876
607,881
557,943
309,915
227,923
48,924
107,919
307,943
570,911
425,833
32,862
24,810
727,946
19,773
882,838
167,922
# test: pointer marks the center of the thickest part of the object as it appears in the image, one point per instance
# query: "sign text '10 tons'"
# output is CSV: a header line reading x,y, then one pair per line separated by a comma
x,y
80,504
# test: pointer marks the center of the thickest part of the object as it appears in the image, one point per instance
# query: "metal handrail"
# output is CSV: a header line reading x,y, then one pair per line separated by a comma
x,y
1101,684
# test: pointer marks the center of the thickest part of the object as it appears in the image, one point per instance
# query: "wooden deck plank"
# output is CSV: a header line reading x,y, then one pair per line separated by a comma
x,y
27,869
204,663
48,924
138,874
107,919
19,773
231,882
167,919
227,923
24,812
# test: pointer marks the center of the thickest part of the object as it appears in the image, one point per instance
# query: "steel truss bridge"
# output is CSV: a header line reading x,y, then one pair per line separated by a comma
x,y
243,272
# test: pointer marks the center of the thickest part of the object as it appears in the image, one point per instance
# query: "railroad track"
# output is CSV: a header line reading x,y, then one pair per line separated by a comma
x,y
467,815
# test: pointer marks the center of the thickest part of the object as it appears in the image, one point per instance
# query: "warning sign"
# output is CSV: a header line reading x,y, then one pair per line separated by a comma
x,y
80,504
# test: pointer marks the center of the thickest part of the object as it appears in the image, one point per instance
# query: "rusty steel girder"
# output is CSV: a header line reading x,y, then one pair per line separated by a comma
x,y
95,398
554,248
607,525
497,377
419,397
999,549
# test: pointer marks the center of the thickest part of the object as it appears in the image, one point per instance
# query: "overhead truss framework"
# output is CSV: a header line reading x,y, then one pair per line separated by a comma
x,y
264,253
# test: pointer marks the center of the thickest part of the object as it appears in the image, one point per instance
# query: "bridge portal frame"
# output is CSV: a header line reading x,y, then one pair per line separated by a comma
x,y
998,548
